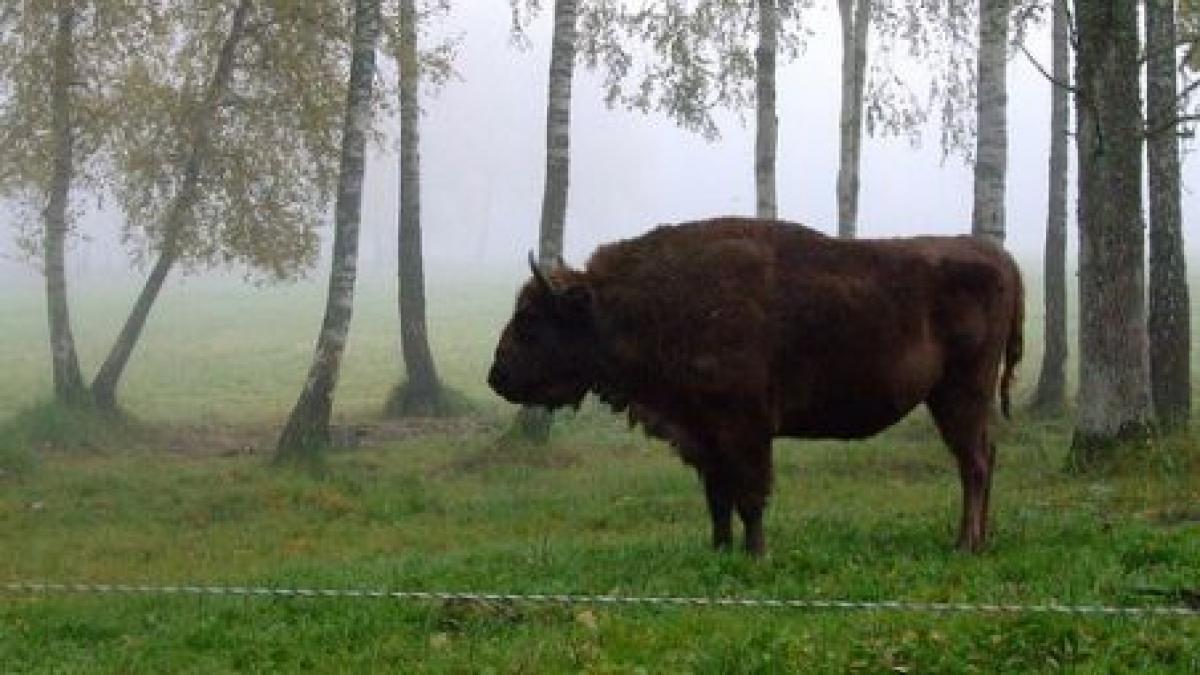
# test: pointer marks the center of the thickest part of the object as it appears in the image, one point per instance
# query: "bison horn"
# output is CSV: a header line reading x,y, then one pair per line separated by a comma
x,y
539,274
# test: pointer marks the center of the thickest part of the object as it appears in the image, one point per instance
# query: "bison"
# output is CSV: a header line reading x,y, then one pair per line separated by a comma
x,y
720,335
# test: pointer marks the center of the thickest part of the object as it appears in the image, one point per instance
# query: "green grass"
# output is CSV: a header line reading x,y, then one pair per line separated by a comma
x,y
190,497
599,512
221,352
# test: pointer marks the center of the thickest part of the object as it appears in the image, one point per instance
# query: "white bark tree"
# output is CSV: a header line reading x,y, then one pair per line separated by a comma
x,y
533,423
855,20
766,139
200,131
421,393
225,146
307,428
991,144
68,379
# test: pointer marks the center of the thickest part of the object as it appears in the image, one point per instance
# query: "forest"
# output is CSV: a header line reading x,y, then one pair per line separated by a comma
x,y
259,436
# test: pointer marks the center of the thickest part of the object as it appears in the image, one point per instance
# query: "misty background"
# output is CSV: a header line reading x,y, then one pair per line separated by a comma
x,y
482,153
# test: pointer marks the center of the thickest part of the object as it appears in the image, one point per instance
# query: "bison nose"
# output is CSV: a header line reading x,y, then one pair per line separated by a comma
x,y
497,378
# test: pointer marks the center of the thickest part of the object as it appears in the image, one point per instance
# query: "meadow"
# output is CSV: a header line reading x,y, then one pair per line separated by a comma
x,y
183,492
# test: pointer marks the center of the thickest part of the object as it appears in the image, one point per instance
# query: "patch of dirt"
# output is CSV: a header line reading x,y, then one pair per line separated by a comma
x,y
499,455
241,440
1174,516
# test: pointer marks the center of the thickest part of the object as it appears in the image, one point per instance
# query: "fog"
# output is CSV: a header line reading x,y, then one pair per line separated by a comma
x,y
482,158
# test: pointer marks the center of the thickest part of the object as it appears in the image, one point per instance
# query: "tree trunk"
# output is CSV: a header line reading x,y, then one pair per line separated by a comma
x,y
307,428
64,361
104,386
1050,395
1114,369
767,136
1170,317
855,15
421,394
533,424
991,154
558,131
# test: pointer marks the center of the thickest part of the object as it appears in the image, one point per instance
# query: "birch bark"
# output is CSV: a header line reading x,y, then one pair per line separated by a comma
x,y
855,18
64,360
558,131
422,392
991,154
533,423
307,428
767,134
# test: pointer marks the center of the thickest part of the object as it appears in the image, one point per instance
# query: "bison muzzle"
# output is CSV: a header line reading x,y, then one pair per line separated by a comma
x,y
719,336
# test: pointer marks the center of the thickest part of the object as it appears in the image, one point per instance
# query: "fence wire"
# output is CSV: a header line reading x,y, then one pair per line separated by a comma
x,y
41,588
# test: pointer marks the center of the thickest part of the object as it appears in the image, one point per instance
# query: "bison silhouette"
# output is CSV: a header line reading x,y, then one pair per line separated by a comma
x,y
721,335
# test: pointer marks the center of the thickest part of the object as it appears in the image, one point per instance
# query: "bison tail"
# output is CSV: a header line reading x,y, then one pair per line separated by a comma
x,y
1014,346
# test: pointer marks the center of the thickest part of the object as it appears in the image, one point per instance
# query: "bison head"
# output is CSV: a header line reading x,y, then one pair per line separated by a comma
x,y
547,352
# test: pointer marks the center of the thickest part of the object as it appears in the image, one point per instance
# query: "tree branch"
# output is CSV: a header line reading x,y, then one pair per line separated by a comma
x,y
1046,74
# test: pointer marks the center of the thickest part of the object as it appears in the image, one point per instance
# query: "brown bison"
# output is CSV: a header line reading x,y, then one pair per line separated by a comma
x,y
721,335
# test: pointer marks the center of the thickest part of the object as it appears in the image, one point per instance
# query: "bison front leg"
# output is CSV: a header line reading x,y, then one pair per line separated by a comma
x,y
720,506
753,490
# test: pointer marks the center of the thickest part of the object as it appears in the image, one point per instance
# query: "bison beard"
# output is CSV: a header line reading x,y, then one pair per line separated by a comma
x,y
721,335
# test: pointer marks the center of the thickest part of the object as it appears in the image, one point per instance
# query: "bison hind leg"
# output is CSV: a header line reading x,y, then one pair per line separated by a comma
x,y
730,486
962,418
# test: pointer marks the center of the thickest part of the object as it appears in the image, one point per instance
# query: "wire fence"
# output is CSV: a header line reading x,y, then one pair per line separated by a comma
x,y
43,588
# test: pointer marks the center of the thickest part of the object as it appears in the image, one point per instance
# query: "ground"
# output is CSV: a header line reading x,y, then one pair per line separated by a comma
x,y
190,497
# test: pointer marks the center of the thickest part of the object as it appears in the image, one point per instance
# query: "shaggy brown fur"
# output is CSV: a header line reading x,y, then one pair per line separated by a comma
x,y
723,334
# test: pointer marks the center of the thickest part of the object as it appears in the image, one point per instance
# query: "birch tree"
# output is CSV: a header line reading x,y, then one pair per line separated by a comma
x,y
855,16
307,428
766,140
1169,311
200,133
1114,370
225,153
1050,393
68,378
54,118
558,131
422,392
533,423
991,155
689,60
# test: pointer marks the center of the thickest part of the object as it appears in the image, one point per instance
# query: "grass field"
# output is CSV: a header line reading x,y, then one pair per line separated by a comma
x,y
186,496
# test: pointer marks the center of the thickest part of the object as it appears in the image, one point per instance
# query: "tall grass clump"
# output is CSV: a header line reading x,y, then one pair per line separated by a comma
x,y
53,426
16,458
405,400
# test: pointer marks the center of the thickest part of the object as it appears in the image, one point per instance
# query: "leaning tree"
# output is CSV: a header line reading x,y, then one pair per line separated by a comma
x,y
224,152
307,428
